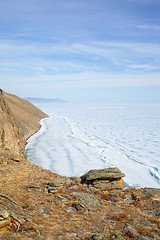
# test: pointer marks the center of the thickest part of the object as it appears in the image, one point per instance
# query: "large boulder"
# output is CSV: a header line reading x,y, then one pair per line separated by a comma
x,y
108,185
105,179
110,174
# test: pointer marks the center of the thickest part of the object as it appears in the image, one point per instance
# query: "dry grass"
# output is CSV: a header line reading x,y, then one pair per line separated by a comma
x,y
53,215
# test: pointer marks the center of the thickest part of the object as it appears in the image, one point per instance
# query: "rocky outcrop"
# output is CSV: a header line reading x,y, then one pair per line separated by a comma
x,y
103,174
19,119
106,179
8,220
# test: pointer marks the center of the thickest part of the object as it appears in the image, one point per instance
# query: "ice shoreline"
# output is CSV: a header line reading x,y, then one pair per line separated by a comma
x,y
68,163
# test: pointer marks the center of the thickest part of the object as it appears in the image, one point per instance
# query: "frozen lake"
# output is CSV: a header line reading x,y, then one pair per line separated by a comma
x,y
77,138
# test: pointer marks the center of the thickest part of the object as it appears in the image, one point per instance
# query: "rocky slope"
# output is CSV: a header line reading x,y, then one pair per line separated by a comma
x,y
19,119
38,204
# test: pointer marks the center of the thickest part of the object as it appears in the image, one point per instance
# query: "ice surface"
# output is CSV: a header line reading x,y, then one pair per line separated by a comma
x,y
77,138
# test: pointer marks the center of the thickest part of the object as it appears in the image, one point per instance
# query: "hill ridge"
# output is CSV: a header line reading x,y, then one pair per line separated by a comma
x,y
19,119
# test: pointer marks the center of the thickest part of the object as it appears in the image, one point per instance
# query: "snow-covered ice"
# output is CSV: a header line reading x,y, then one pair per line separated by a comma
x,y
79,137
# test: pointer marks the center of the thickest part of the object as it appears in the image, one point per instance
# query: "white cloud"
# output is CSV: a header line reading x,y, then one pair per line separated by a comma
x,y
98,57
143,67
97,48
84,80
149,27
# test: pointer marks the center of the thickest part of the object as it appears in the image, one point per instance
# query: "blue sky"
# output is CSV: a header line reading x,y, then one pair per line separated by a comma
x,y
89,50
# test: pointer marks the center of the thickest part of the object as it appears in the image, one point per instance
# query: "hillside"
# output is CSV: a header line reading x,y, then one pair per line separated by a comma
x,y
19,119
38,204
26,114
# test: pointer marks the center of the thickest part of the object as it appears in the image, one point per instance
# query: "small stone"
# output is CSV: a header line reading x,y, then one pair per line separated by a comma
x,y
4,213
116,236
52,190
97,237
58,182
45,215
88,201
80,207
32,185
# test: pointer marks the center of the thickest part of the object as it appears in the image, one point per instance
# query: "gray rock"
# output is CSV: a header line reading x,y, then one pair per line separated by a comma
x,y
116,236
3,213
97,237
103,174
80,206
107,185
32,185
76,180
86,201
52,190
58,182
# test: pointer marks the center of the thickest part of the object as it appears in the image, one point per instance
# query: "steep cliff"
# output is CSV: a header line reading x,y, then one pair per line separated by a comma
x,y
19,119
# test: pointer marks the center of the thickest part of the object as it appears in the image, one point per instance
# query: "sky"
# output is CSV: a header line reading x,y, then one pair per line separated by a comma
x,y
81,50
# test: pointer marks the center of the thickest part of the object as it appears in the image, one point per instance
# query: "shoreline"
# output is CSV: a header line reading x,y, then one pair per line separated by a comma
x,y
41,125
